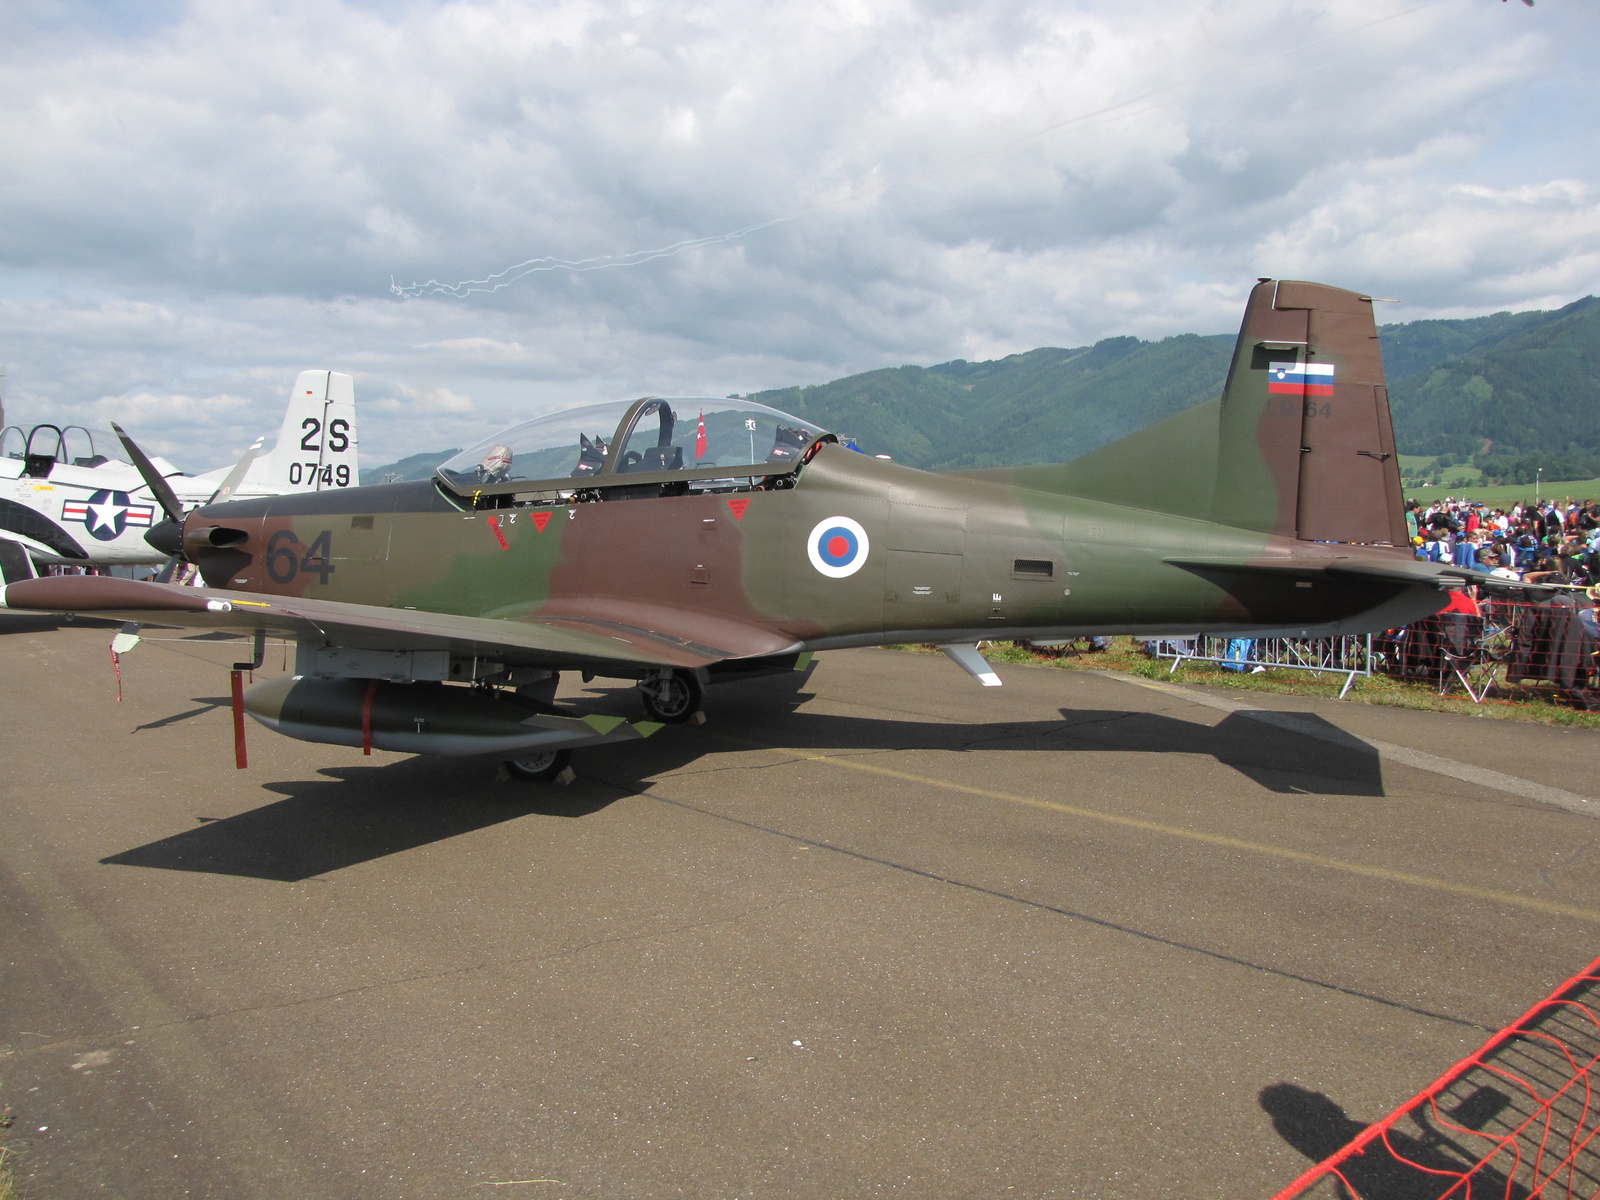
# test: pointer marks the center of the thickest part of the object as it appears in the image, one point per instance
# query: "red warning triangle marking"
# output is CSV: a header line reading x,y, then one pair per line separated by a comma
x,y
540,520
737,505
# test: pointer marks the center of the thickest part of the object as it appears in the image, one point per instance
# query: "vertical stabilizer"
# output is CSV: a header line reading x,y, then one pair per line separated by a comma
x,y
1305,446
316,447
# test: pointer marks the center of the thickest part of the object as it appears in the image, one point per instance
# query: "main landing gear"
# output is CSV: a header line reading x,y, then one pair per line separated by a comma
x,y
671,697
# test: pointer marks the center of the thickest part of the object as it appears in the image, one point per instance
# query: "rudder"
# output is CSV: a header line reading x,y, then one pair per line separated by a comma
x,y
316,447
1305,443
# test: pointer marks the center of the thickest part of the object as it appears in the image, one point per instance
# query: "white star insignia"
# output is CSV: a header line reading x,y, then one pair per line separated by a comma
x,y
103,516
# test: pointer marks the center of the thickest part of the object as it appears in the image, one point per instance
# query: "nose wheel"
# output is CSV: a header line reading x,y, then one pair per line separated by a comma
x,y
671,697
541,767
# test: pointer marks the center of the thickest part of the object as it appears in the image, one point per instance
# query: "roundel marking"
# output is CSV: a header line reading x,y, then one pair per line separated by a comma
x,y
838,547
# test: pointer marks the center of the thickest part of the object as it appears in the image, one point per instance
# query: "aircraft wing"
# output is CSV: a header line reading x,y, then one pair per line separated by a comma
x,y
604,633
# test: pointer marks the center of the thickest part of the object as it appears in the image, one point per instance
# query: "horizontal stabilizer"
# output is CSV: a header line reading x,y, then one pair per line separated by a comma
x,y
1398,571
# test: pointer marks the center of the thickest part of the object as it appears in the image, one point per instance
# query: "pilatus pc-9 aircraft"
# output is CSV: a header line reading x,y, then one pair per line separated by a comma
x,y
679,542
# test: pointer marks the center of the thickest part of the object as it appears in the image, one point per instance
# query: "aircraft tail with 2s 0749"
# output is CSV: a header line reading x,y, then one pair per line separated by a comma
x,y
316,447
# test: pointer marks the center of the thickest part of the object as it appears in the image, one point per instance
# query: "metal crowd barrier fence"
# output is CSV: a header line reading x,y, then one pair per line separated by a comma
x,y
1347,656
1554,644
1518,1119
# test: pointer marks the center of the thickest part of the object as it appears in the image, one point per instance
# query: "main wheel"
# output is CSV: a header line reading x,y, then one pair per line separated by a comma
x,y
543,767
671,699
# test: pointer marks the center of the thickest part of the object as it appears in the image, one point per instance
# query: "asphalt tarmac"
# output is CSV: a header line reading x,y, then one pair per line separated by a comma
x,y
875,931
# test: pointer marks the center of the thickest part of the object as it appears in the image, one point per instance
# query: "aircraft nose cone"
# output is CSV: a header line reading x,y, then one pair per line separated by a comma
x,y
165,536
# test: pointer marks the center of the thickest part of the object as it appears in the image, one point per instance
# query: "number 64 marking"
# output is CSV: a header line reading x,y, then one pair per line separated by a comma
x,y
284,563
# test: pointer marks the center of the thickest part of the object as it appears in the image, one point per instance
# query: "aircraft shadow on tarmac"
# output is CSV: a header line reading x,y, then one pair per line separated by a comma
x,y
206,703
13,622
1399,1167
351,815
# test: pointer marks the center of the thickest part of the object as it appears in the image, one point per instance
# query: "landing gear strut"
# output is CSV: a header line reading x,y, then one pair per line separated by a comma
x,y
671,697
543,766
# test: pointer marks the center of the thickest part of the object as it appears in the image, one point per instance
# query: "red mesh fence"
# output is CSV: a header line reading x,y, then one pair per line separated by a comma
x,y
1514,1121
1553,644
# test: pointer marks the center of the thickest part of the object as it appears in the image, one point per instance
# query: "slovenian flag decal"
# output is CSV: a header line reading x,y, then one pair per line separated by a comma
x,y
1300,379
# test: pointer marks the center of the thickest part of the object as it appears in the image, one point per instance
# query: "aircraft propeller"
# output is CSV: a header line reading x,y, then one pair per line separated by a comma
x,y
167,536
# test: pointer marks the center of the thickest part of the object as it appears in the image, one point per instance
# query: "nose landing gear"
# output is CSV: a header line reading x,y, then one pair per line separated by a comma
x,y
544,766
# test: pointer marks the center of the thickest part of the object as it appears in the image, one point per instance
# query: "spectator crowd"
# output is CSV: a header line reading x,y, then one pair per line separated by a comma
x,y
1550,543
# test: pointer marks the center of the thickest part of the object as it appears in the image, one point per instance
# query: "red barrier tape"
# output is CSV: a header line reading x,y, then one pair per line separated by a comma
x,y
239,758
1532,1162
366,717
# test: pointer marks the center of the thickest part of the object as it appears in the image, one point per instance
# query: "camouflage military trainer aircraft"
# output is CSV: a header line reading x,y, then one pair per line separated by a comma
x,y
679,542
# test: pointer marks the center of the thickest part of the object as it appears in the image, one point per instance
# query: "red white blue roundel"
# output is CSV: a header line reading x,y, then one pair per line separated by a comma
x,y
838,547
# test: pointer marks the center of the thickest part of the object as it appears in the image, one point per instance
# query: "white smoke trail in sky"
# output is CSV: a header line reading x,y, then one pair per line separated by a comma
x,y
1120,110
633,258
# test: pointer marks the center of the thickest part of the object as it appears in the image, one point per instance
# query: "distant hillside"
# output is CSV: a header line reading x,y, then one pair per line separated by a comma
x,y
1526,384
1509,393
1533,389
1419,346
1046,405
414,466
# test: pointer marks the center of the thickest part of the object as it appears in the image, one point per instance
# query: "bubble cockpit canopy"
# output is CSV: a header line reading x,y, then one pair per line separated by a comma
x,y
72,444
653,440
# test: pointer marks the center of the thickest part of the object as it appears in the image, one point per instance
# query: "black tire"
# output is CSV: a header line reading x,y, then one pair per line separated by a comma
x,y
672,699
542,767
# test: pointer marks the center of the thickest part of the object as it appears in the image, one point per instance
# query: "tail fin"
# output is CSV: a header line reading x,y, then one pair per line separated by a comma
x,y
1305,444
316,447
1300,443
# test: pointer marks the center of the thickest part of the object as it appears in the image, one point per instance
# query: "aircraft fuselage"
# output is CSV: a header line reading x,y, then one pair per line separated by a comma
x,y
937,558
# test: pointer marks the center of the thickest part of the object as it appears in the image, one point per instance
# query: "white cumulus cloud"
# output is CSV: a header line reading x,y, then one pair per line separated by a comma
x,y
199,199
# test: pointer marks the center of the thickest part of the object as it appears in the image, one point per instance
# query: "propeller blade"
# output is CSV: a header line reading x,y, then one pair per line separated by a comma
x,y
170,569
159,487
235,476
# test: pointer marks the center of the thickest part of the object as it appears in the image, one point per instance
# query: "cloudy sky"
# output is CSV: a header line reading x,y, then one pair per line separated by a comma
x,y
198,199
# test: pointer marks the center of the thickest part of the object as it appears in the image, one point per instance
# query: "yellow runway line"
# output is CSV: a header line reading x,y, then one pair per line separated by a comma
x,y
1553,907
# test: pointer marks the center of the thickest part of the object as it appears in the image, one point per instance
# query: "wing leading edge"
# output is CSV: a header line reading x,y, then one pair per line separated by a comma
x,y
605,634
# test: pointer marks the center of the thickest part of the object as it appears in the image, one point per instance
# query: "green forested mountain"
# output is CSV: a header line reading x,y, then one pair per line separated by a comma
x,y
1043,406
413,466
1419,346
1531,391
1510,393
